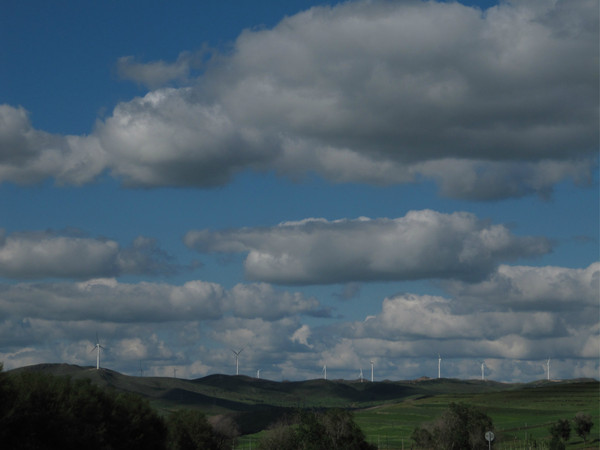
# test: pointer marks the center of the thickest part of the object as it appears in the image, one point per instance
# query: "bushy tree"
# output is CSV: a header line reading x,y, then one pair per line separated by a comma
x,y
460,427
583,425
329,430
423,438
225,430
280,436
189,430
561,430
341,430
43,411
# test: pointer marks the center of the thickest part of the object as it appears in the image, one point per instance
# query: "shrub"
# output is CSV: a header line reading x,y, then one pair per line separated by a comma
x,y
583,425
460,427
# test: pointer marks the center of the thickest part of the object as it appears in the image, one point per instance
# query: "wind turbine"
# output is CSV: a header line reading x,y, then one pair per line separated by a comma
x,y
372,370
236,356
258,374
482,370
324,371
439,366
97,347
361,375
548,368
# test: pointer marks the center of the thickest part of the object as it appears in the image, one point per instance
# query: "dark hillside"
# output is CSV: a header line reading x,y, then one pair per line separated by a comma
x,y
254,404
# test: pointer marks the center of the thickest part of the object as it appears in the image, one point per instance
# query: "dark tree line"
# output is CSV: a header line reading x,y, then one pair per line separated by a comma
x,y
39,411
463,427
43,411
561,430
316,430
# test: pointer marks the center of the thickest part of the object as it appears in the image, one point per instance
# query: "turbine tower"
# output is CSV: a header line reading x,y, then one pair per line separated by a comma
x,y
236,356
258,374
324,371
482,370
361,375
439,366
97,347
372,370
548,369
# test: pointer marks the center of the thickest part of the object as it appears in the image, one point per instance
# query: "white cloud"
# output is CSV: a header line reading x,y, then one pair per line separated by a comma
x,y
28,155
410,317
48,254
301,335
490,105
193,328
269,339
422,244
526,288
146,302
158,73
262,300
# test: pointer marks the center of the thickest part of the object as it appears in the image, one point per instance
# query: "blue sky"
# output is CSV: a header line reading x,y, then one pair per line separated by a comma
x,y
317,183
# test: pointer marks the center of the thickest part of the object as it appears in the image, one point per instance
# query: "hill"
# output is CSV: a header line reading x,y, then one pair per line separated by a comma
x,y
385,408
226,393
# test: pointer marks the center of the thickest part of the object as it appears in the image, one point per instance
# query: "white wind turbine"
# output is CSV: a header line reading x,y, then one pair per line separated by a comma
x,y
97,347
324,372
372,370
236,356
258,374
482,370
439,366
548,368
361,375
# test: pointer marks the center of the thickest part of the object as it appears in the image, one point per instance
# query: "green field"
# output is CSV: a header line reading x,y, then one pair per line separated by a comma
x,y
387,411
520,415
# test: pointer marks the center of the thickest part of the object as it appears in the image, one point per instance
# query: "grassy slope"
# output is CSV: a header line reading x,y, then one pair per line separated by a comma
x,y
386,411
521,413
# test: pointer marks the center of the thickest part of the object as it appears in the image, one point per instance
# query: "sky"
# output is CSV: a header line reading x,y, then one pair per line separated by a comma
x,y
312,183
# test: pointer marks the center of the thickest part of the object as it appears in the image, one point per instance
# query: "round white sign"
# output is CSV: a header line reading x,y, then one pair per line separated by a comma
x,y
489,436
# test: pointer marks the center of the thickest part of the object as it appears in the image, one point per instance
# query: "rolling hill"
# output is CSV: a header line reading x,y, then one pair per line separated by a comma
x,y
256,403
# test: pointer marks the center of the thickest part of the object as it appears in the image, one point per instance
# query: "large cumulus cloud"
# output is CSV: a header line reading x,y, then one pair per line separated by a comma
x,y
421,245
490,104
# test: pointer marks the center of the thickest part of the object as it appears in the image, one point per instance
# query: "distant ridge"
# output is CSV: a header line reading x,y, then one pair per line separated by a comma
x,y
256,403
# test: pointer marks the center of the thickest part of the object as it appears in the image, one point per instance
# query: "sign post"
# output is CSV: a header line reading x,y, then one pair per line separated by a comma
x,y
489,436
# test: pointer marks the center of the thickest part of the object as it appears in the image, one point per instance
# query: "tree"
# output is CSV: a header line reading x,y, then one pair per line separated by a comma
x,y
43,411
460,427
225,430
342,432
583,425
280,436
423,438
330,430
189,430
561,430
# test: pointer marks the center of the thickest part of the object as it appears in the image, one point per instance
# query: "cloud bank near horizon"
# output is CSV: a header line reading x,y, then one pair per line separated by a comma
x,y
494,104
164,324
